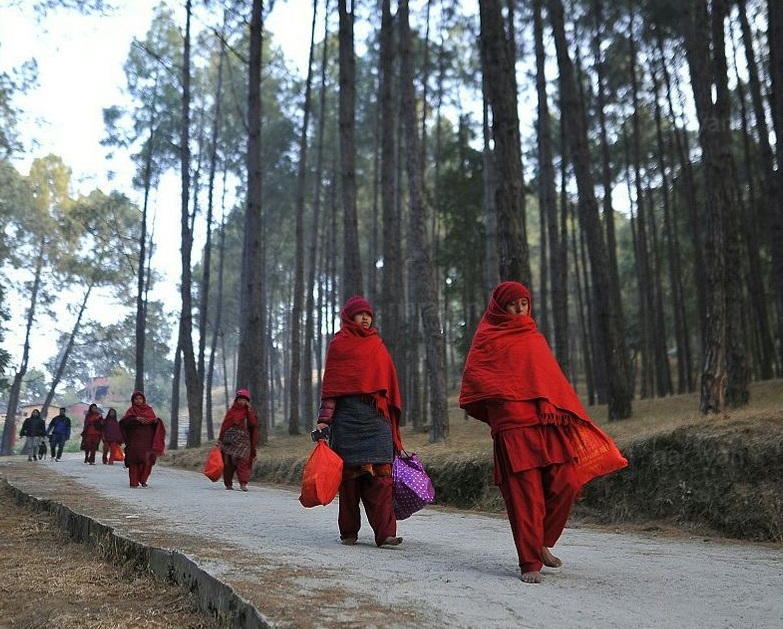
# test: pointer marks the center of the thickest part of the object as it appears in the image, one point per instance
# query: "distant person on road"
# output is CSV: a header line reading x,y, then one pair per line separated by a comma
x,y
92,433
112,437
545,445
145,439
361,405
238,440
59,432
34,429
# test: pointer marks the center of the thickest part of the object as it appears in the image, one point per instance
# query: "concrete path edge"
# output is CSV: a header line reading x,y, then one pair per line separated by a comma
x,y
215,598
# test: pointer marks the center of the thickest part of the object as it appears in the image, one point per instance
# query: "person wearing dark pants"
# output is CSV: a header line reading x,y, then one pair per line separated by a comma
x,y
34,428
59,432
361,404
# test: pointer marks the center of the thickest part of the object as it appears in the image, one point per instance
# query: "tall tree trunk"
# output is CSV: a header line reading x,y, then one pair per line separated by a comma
x,y
692,200
703,38
606,158
9,427
392,313
491,263
311,341
352,266
217,332
206,376
644,275
663,374
193,383
737,371
681,333
299,256
66,353
141,304
754,241
217,325
251,362
610,324
548,200
175,382
583,316
775,208
419,248
499,63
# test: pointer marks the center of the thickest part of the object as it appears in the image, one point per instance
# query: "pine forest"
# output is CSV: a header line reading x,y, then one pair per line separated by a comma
x,y
621,159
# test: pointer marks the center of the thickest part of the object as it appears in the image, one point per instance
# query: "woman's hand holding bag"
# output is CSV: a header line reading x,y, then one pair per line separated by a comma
x,y
321,476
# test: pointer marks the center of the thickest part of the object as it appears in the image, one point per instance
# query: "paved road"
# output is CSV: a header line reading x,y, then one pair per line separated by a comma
x,y
454,569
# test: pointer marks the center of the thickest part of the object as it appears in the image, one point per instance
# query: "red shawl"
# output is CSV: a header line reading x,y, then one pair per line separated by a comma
x,y
509,359
235,416
92,424
358,363
141,411
145,414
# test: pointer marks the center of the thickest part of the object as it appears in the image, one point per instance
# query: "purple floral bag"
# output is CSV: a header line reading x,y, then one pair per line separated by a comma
x,y
412,489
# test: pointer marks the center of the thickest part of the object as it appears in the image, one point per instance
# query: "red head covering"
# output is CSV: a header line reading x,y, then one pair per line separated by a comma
x,y
239,413
506,292
358,363
142,411
355,305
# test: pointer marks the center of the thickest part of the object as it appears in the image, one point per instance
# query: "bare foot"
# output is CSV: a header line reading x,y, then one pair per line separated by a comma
x,y
549,559
531,577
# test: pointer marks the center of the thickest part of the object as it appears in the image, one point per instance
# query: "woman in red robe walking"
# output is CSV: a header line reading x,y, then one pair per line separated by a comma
x,y
360,402
145,439
238,440
545,445
112,437
92,433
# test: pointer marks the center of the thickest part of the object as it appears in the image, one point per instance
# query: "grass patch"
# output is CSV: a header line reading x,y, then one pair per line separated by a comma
x,y
722,472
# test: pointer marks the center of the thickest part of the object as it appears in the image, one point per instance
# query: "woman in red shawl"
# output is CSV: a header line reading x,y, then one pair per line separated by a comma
x,y
546,447
112,437
145,438
360,402
238,440
92,433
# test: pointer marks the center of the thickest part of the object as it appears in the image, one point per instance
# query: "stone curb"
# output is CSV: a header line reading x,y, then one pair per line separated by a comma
x,y
215,598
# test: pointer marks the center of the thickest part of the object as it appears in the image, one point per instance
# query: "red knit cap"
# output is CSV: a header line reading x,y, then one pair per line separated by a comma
x,y
243,393
355,305
506,292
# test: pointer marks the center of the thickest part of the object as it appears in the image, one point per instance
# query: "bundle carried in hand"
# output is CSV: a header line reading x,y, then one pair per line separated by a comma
x,y
321,476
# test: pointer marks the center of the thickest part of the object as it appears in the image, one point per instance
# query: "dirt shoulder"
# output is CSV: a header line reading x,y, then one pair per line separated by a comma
x,y
51,582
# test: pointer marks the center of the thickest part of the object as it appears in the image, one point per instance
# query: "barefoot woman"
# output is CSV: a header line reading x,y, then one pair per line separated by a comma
x,y
546,447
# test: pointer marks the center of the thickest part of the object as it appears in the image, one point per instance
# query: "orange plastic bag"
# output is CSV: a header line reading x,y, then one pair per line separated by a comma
x,y
321,476
213,468
116,453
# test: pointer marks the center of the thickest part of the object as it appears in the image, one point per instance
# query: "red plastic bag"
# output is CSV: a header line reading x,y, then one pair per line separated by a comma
x,y
213,468
321,476
116,452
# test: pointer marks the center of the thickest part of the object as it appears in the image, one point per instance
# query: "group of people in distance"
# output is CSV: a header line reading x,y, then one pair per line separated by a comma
x,y
35,430
546,447
142,432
